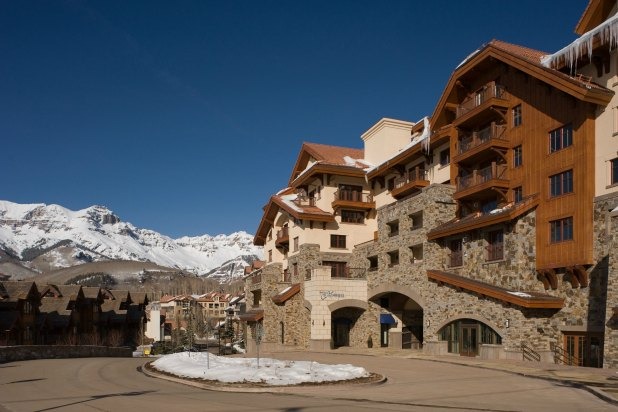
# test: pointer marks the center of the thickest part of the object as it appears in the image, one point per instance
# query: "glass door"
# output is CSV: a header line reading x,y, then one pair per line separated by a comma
x,y
469,340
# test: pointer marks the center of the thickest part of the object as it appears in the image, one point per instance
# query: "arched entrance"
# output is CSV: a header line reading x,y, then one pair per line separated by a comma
x,y
343,322
465,336
401,316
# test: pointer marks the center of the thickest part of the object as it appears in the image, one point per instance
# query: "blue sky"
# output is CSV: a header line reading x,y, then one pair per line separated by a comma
x,y
185,116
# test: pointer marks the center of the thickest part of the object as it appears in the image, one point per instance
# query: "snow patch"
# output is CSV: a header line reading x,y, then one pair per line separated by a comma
x,y
271,371
520,294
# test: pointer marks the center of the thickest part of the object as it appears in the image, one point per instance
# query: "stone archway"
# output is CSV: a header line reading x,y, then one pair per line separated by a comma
x,y
401,317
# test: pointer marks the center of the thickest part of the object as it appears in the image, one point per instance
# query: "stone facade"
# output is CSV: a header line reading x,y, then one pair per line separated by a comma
x,y
606,254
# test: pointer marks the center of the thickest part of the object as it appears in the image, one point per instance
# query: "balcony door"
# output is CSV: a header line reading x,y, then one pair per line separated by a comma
x,y
351,192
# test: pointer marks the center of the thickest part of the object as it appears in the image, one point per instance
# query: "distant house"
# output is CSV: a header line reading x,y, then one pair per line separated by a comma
x,y
19,306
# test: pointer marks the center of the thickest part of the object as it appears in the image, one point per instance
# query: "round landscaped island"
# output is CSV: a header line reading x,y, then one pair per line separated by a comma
x,y
246,372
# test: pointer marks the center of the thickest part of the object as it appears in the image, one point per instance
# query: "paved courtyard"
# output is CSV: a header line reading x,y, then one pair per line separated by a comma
x,y
113,384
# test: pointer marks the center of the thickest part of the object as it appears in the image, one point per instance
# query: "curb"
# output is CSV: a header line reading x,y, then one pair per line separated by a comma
x,y
241,389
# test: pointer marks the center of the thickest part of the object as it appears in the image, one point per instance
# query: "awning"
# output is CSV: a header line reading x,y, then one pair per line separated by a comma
x,y
252,316
387,318
286,294
528,300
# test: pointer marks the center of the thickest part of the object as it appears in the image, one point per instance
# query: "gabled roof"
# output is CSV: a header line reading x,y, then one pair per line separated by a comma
x,y
327,155
596,12
528,61
18,290
284,201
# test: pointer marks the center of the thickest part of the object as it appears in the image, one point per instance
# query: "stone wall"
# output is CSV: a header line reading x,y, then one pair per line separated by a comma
x,y
19,353
606,254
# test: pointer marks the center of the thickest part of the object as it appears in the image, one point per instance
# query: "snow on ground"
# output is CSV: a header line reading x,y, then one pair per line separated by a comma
x,y
271,371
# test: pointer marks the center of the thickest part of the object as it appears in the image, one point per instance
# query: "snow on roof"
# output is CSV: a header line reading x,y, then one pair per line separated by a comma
x,y
420,138
468,57
520,294
607,32
615,209
289,200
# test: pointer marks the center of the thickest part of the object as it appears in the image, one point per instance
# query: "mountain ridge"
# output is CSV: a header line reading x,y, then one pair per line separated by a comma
x,y
46,237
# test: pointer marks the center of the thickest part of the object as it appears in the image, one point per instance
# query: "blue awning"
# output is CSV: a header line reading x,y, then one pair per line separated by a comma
x,y
387,318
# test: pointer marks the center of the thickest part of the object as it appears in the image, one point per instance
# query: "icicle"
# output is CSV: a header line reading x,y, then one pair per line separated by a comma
x,y
606,32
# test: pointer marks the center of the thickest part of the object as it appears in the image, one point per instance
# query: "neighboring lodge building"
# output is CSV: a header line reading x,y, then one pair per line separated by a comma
x,y
489,229
35,314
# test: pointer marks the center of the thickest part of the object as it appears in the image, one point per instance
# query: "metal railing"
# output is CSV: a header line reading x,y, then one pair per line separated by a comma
x,y
489,91
529,354
562,356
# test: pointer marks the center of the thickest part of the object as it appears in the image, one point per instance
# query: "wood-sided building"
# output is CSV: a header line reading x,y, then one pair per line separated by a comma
x,y
523,145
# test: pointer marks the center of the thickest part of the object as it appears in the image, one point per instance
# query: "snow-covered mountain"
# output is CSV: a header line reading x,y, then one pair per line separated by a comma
x,y
51,236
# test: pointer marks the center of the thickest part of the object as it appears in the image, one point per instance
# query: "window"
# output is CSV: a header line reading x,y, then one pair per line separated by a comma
x,y
615,114
373,263
517,115
417,253
393,228
517,156
518,194
614,172
561,183
390,183
394,258
295,243
337,269
456,257
445,157
270,234
495,245
295,266
416,220
560,138
337,241
27,308
270,255
352,216
561,230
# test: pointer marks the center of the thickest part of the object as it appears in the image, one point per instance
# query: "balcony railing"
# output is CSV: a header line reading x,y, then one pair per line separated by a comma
x,y
489,91
351,273
283,236
413,175
353,196
495,251
469,142
481,176
456,259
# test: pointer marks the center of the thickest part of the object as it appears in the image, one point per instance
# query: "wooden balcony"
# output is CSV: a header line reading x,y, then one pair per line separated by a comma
x,y
487,141
352,199
491,96
482,183
413,179
256,278
283,237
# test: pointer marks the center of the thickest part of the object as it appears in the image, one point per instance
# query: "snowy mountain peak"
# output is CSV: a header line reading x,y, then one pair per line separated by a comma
x,y
29,231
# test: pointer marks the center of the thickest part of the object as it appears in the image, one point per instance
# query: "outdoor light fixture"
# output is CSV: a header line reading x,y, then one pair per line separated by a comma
x,y
506,323
428,322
